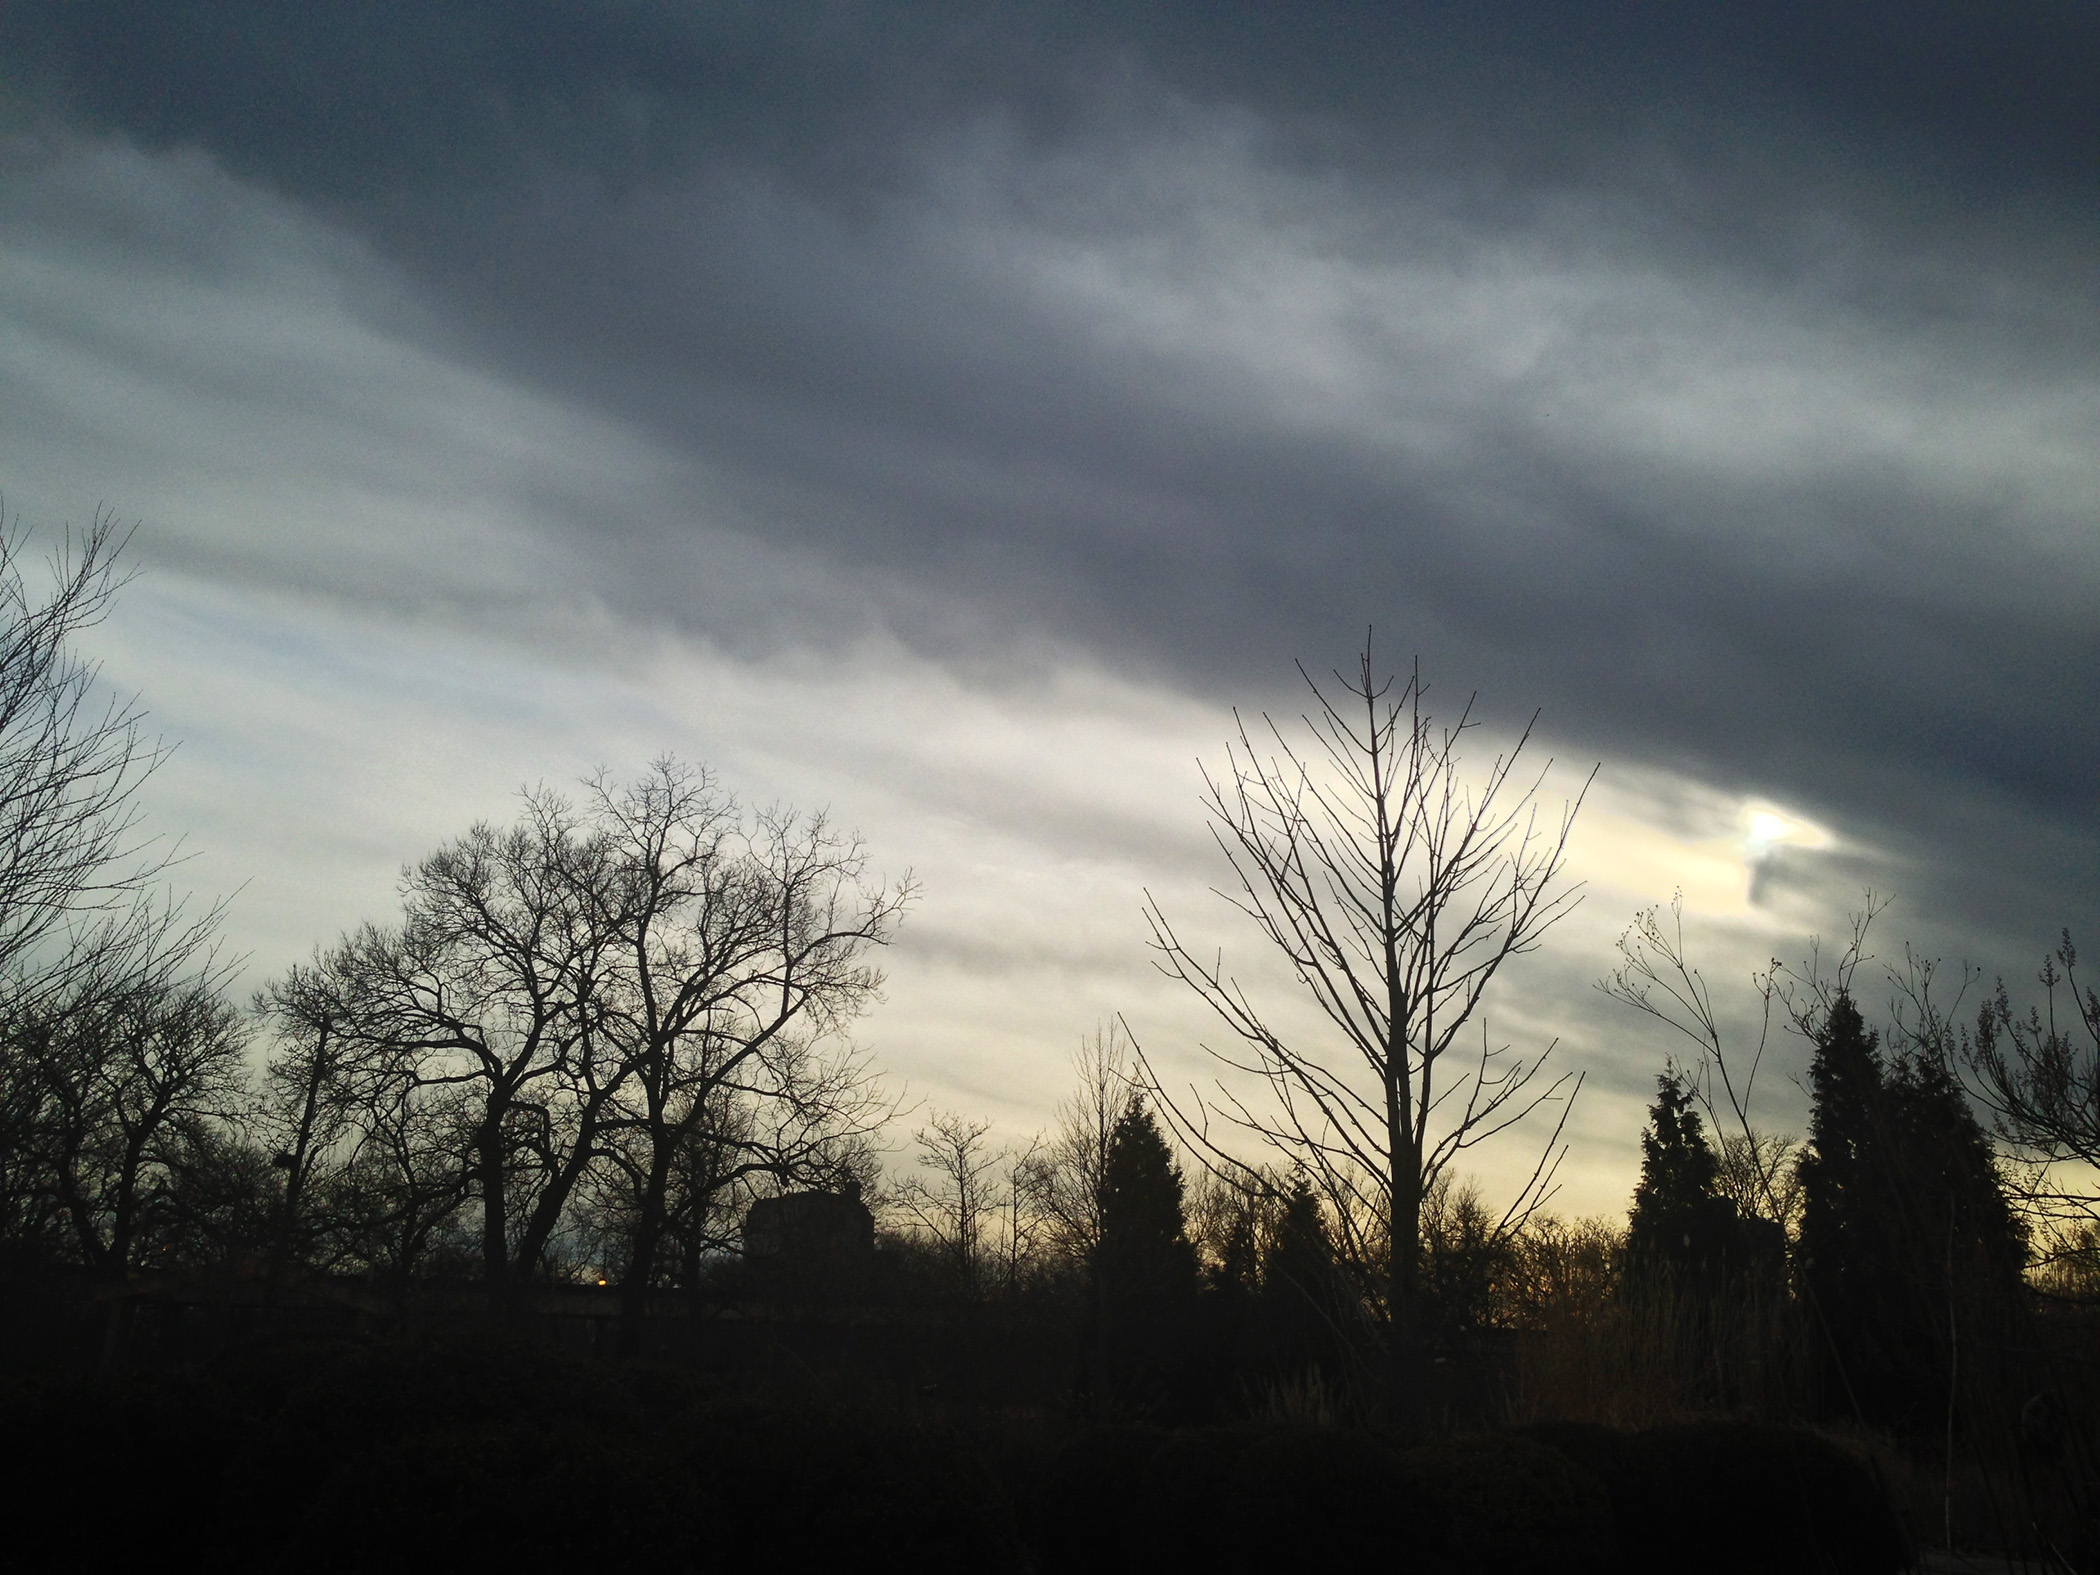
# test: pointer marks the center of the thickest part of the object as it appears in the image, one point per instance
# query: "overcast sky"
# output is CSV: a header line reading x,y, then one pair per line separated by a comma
x,y
947,414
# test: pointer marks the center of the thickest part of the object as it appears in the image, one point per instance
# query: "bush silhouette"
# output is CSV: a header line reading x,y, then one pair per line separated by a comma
x,y
1736,1498
1090,1512
348,1457
1229,1499
1321,1493
121,1467
1510,1504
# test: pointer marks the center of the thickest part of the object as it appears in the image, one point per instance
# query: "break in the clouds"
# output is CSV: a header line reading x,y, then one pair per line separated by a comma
x,y
1000,392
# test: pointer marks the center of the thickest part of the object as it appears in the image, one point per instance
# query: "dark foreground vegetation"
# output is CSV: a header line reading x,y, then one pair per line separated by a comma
x,y
492,1454
547,1221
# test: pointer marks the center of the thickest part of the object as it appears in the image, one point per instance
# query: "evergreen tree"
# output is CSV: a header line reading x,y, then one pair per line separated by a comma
x,y
1963,1250
1238,1270
1949,1170
1301,1286
1145,1267
1678,1176
1846,1255
1682,1226
1466,1261
1905,1229
1145,1250
1838,1217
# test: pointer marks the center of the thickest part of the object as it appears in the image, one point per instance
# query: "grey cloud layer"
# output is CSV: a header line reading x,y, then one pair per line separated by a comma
x,y
1729,388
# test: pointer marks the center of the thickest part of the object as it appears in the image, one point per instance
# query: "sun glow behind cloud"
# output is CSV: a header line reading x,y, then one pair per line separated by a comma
x,y
1766,828
1646,835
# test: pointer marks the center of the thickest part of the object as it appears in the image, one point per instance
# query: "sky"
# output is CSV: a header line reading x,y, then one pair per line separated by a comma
x,y
948,415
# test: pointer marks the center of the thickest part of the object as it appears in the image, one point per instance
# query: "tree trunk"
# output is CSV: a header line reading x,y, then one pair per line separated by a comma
x,y
641,1261
116,1334
1406,1369
553,1201
295,1177
495,1227
116,1264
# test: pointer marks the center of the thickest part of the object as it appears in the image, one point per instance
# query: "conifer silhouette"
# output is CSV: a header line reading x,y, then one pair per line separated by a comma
x,y
1905,1229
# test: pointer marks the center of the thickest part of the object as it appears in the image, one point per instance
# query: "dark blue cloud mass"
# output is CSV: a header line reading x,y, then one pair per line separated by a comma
x,y
1723,379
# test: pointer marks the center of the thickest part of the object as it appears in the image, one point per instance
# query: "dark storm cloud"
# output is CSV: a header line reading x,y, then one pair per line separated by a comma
x,y
945,298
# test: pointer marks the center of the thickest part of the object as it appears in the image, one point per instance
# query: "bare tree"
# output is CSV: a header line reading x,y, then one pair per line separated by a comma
x,y
306,1115
740,957
2038,1073
128,1062
1759,1172
74,869
1397,889
71,758
494,985
1076,1159
637,1006
1232,1219
800,1119
131,1051
1028,1223
370,1162
397,1198
1073,1178
955,1194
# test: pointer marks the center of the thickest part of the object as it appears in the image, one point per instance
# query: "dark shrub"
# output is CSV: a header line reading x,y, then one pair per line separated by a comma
x,y
815,1483
1090,1511
504,1457
1789,1499
502,1494
116,1468
1737,1498
1187,1488
1320,1494
660,1485
1225,1499
1503,1503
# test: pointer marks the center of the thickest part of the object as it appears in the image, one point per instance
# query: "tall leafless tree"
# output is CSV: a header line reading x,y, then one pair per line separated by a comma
x,y
72,757
133,1058
126,1063
302,1117
641,999
1396,887
76,911
740,955
1075,1160
369,1161
955,1195
495,985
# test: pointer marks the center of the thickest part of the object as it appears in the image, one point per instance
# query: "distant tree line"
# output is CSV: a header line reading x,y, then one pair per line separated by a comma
x,y
588,1038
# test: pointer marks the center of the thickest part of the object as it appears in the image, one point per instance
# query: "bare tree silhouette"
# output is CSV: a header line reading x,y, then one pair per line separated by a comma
x,y
956,1193
2038,1073
741,956
1396,888
71,759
